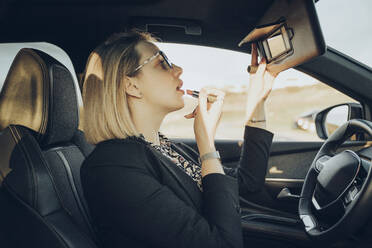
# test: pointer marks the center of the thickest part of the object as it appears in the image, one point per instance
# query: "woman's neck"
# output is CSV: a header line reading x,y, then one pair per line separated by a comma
x,y
148,122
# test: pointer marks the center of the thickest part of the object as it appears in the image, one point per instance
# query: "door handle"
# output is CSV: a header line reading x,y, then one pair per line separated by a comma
x,y
285,194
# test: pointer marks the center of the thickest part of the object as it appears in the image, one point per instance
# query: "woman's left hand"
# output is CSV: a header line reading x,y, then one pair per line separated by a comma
x,y
260,85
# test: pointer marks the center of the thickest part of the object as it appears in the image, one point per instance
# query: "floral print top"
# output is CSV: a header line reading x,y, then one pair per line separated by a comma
x,y
189,167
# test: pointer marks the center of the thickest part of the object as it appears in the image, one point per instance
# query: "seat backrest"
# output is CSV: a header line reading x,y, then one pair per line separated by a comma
x,y
42,203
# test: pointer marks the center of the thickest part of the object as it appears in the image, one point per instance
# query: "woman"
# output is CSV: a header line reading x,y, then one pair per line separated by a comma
x,y
144,190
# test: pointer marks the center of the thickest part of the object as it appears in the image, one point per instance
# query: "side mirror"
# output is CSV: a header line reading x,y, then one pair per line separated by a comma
x,y
329,119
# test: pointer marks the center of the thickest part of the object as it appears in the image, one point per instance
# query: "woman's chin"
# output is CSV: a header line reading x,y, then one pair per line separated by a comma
x,y
180,104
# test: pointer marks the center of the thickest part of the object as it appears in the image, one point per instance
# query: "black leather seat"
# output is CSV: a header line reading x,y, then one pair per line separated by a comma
x,y
41,151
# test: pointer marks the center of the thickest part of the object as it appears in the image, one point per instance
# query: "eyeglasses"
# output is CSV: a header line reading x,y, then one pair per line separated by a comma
x,y
161,53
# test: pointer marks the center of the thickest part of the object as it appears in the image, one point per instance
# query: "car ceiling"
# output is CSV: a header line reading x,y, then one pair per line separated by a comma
x,y
78,26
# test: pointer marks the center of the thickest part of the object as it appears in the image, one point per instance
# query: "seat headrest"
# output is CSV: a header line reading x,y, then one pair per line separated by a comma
x,y
39,93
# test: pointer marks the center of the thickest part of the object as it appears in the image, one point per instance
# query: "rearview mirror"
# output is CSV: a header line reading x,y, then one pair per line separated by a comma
x,y
329,119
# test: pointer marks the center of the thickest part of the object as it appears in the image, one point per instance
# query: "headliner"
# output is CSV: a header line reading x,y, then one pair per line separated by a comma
x,y
78,26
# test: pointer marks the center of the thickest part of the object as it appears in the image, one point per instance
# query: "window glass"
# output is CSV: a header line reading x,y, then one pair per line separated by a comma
x,y
291,107
346,26
294,102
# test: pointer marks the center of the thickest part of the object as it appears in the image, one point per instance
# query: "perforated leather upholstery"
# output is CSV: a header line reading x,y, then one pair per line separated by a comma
x,y
41,199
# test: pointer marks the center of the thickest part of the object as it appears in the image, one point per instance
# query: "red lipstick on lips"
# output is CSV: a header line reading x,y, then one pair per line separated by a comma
x,y
194,93
183,92
179,88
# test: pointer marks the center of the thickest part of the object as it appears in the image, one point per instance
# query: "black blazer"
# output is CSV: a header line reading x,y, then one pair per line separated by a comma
x,y
140,198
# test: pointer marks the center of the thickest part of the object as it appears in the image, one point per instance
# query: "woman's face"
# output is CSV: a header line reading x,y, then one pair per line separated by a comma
x,y
159,84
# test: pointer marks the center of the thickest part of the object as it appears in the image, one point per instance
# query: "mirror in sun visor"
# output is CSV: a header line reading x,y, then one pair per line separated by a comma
x,y
288,34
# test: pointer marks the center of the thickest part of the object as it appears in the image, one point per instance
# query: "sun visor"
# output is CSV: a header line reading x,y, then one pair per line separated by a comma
x,y
260,32
287,35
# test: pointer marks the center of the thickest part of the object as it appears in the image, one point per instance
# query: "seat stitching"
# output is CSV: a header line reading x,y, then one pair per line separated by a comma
x,y
73,187
31,170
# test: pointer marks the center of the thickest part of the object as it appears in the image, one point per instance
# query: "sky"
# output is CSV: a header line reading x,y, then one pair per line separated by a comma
x,y
345,25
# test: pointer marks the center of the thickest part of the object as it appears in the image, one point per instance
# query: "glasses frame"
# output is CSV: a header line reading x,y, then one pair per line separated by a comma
x,y
161,53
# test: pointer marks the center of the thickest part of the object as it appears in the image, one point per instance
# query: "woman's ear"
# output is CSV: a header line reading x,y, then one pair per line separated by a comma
x,y
132,87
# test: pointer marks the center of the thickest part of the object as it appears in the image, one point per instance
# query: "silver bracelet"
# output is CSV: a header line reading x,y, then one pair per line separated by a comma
x,y
209,155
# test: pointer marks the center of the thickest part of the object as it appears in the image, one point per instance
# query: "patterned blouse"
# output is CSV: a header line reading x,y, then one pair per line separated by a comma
x,y
190,168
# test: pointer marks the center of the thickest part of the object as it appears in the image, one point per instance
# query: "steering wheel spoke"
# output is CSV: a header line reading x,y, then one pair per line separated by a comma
x,y
350,195
308,221
320,163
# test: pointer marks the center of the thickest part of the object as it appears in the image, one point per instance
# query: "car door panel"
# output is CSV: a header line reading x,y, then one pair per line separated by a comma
x,y
287,168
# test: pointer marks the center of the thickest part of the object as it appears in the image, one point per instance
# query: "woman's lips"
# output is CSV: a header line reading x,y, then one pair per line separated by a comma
x,y
182,91
179,87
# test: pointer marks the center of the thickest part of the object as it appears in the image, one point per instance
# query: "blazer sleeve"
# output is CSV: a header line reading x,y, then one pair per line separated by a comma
x,y
252,167
135,203
254,157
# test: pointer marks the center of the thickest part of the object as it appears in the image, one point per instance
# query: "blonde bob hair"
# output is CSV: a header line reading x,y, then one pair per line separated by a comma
x,y
106,111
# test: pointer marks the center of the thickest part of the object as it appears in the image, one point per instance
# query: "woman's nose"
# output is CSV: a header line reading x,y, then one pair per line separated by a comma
x,y
177,70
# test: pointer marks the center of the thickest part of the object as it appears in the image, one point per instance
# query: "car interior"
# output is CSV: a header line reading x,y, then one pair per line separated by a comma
x,y
323,195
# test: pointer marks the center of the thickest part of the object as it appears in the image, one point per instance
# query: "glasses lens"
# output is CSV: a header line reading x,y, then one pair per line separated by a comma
x,y
166,59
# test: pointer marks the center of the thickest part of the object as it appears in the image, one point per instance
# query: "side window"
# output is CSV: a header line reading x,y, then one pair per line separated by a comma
x,y
294,102
291,107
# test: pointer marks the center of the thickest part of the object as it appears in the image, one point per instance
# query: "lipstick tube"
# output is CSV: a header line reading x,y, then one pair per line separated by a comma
x,y
194,93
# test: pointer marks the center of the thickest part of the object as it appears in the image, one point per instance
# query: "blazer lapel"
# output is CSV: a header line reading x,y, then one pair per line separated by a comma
x,y
184,180
184,153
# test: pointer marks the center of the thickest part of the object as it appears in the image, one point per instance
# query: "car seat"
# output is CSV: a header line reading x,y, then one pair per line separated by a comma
x,y
41,198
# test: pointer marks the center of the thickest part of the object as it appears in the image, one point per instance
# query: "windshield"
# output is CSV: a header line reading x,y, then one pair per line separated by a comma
x,y
346,26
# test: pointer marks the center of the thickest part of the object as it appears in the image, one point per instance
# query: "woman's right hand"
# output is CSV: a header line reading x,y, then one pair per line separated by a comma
x,y
207,116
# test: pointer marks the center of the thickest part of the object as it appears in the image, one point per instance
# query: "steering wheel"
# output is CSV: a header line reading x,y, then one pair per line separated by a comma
x,y
336,196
